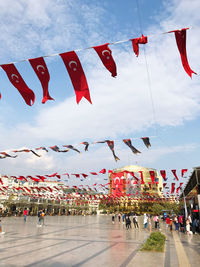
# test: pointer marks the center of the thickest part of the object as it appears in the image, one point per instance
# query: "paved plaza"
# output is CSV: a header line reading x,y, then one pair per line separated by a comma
x,y
88,241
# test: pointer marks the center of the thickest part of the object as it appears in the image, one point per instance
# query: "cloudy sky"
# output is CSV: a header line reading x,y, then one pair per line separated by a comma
x,y
164,105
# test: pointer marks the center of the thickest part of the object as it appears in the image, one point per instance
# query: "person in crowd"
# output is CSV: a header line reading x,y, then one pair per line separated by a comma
x,y
1,232
194,225
25,214
39,217
170,224
167,221
180,220
119,217
135,220
188,231
156,220
113,218
190,219
145,221
123,218
176,223
128,222
42,217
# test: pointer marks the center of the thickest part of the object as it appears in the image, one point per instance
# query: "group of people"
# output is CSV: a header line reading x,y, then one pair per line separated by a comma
x,y
41,215
126,219
189,225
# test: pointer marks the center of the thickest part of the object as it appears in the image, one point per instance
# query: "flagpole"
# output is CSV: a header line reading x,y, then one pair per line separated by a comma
x,y
186,213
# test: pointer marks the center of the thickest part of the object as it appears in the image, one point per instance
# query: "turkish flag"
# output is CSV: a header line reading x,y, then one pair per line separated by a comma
x,y
152,174
142,178
93,173
174,173
183,171
105,55
103,171
136,42
180,36
17,81
77,75
40,68
172,188
163,174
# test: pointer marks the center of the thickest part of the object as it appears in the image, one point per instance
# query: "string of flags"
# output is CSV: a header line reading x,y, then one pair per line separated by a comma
x,y
110,143
76,72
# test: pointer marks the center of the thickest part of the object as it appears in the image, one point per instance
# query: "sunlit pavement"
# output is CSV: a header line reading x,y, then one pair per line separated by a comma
x,y
68,241
88,241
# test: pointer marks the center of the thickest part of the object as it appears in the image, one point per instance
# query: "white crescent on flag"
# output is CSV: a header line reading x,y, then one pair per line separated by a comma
x,y
106,51
15,78
39,67
73,62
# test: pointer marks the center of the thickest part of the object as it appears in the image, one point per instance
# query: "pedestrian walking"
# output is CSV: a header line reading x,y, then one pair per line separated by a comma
x,y
135,220
145,221
167,222
180,220
119,217
113,218
25,214
123,218
42,217
39,218
170,224
1,232
156,220
188,231
176,223
128,222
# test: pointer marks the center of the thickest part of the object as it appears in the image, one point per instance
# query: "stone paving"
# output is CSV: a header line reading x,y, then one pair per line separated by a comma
x,y
85,241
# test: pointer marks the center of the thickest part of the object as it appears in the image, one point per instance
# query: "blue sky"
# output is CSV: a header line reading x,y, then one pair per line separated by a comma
x,y
122,107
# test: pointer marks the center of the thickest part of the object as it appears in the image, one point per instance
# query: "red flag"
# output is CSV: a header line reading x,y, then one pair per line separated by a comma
x,y
177,189
1,181
163,174
142,178
52,175
172,188
105,55
103,171
136,42
164,184
180,36
152,174
174,173
93,173
183,171
17,81
77,75
40,68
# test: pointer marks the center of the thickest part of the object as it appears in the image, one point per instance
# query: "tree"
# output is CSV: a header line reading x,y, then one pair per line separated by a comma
x,y
157,209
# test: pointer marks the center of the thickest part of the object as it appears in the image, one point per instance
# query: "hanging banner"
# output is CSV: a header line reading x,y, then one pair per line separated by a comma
x,y
180,36
77,75
136,42
41,70
105,54
17,81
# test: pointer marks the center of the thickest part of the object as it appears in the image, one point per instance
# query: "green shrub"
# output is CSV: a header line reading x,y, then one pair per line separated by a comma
x,y
155,242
